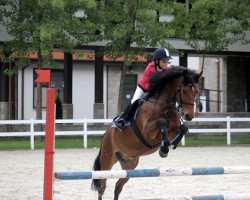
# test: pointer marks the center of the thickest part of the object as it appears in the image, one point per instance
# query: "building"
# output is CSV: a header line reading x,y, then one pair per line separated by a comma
x,y
88,86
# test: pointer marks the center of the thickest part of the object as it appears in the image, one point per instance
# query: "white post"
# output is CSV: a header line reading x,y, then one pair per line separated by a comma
x,y
228,131
85,136
32,145
183,140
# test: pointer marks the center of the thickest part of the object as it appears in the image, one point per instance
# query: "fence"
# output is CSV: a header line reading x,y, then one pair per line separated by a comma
x,y
86,122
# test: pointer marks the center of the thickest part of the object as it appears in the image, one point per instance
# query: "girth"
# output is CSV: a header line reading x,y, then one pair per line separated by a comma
x,y
140,136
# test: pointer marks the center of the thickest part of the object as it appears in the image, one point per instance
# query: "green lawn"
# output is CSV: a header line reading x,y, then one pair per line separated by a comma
x,y
77,142
60,143
217,140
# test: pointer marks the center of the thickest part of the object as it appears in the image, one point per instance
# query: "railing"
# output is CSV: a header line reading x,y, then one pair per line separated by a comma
x,y
85,132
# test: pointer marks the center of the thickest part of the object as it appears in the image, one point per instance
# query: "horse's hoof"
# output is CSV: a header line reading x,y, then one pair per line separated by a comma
x,y
163,155
163,152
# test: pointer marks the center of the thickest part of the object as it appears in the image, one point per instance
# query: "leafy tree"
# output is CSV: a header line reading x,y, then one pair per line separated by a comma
x,y
212,25
38,26
131,26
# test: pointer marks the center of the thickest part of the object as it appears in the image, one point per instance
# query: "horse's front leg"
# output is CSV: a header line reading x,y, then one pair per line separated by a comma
x,y
163,152
125,164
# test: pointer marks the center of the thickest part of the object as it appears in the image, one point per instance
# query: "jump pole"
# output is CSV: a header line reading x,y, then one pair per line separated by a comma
x,y
44,77
138,173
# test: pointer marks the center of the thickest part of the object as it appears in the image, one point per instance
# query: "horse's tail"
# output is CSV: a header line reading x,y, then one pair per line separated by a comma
x,y
97,167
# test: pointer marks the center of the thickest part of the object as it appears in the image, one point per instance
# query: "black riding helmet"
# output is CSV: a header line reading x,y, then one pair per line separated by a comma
x,y
161,53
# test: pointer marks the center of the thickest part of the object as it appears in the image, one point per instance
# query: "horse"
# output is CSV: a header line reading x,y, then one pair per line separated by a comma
x,y
178,85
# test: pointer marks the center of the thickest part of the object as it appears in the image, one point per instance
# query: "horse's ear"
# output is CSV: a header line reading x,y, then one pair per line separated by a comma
x,y
198,77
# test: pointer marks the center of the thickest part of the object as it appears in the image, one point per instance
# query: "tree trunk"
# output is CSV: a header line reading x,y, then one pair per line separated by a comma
x,y
123,73
10,91
119,109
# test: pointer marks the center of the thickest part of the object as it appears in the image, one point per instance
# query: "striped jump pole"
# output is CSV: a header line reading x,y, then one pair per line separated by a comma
x,y
243,196
223,196
152,172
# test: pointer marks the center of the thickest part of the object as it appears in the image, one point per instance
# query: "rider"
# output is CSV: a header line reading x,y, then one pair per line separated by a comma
x,y
160,62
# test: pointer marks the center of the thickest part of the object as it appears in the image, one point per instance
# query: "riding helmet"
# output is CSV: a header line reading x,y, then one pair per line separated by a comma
x,y
162,53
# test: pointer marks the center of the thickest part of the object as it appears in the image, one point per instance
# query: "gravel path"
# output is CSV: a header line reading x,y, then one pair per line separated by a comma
x,y
22,174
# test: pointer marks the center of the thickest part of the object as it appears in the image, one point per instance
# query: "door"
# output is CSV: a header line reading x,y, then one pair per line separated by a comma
x,y
130,83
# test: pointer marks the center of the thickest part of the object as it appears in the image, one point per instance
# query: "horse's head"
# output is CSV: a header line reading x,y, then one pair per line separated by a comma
x,y
177,84
188,92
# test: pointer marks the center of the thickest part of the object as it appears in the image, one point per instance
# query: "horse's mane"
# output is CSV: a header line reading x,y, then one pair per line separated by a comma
x,y
160,79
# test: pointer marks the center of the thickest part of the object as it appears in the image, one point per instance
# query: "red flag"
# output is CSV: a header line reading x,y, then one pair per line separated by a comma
x,y
43,76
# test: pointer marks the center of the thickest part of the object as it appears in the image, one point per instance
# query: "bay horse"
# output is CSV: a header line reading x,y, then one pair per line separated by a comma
x,y
171,87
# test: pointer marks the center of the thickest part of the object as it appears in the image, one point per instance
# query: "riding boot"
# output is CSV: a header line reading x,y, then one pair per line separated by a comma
x,y
120,123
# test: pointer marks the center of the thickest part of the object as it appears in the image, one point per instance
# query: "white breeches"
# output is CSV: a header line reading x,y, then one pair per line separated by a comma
x,y
138,94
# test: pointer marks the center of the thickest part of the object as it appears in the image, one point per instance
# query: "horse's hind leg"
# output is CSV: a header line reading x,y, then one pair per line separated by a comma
x,y
126,164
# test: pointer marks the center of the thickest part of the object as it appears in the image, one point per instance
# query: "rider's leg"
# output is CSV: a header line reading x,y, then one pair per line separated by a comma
x,y
124,115
138,94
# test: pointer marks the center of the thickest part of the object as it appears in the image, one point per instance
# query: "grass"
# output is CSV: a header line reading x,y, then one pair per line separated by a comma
x,y
77,142
60,143
204,140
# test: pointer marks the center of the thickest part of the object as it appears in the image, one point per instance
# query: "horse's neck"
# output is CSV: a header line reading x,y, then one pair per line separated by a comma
x,y
168,94
154,108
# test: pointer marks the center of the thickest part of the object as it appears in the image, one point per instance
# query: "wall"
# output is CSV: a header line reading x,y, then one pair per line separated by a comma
x,y
83,90
29,111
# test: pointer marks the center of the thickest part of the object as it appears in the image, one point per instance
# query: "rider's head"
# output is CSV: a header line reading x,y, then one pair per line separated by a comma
x,y
161,57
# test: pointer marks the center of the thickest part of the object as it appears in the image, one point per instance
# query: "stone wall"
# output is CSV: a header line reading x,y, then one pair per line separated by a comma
x,y
4,110
213,80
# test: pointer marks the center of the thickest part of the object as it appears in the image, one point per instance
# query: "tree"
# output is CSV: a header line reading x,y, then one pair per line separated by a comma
x,y
132,26
212,25
38,26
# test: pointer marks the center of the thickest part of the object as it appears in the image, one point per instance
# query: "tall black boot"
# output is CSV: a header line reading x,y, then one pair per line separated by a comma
x,y
123,118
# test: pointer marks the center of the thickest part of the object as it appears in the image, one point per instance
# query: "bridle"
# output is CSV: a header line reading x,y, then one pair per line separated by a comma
x,y
181,102
170,105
